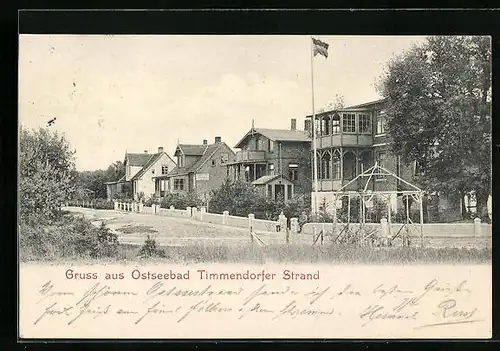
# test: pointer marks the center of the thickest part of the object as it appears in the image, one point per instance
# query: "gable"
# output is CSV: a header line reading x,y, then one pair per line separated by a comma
x,y
156,161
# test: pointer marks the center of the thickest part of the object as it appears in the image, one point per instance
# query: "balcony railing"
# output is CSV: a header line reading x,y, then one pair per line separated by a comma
x,y
250,155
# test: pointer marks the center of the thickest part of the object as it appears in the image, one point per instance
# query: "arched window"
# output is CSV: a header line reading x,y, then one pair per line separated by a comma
x,y
325,166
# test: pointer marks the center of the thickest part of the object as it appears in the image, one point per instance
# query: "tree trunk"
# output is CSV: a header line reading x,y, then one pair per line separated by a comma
x,y
464,210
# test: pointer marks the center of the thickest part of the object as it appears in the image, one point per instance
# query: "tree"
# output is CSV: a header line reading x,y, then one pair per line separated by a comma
x,y
46,173
439,113
95,180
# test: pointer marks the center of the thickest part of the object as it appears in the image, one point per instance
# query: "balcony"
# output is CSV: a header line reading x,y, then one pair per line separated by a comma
x,y
251,156
351,140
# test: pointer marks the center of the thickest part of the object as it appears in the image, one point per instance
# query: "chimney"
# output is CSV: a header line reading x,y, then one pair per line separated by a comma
x,y
205,141
217,139
145,151
307,125
160,149
293,124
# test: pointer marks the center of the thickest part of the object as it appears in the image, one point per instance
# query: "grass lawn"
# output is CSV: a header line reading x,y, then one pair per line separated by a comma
x,y
335,254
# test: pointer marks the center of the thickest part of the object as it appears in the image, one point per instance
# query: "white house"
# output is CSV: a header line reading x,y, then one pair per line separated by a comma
x,y
140,170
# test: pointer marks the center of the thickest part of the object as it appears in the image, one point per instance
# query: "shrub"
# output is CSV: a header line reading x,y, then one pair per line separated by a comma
x,y
150,249
71,236
181,200
152,200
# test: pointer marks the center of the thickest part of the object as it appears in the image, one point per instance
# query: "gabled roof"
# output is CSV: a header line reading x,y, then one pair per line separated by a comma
x,y
191,149
208,152
268,178
137,159
277,135
152,160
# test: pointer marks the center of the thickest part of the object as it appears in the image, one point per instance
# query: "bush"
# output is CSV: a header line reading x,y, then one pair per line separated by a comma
x,y
70,237
150,249
181,200
152,200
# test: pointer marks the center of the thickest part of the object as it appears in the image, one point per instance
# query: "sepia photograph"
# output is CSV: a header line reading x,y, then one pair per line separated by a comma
x,y
255,186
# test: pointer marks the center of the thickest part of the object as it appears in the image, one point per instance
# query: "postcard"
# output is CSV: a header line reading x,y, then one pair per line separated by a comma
x,y
254,187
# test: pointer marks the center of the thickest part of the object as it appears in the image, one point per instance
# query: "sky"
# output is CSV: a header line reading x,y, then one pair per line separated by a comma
x,y
113,94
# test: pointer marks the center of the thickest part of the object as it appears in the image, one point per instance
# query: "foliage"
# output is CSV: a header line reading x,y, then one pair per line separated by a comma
x,y
94,180
241,198
181,200
68,237
46,173
439,113
150,249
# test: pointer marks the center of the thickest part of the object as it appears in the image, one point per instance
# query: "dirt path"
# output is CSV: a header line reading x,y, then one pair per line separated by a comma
x,y
133,228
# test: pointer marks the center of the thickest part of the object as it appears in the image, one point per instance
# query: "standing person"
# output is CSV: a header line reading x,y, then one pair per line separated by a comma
x,y
302,220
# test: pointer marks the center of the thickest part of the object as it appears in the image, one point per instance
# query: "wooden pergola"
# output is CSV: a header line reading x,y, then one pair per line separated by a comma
x,y
366,196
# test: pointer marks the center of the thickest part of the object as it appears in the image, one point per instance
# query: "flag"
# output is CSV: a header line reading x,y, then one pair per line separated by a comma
x,y
320,47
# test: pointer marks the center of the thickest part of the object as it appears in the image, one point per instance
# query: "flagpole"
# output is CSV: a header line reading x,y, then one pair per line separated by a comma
x,y
315,160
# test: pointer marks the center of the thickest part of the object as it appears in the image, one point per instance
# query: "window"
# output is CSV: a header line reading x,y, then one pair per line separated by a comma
x,y
152,171
178,184
325,167
256,143
214,163
224,158
325,126
164,169
380,123
271,166
349,123
381,158
335,124
270,145
364,124
180,160
289,191
336,168
269,190
293,172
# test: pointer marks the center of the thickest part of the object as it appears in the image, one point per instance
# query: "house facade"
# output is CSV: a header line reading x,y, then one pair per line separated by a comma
x,y
274,152
349,141
200,168
140,172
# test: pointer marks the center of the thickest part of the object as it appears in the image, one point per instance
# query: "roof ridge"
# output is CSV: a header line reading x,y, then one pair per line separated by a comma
x,y
218,147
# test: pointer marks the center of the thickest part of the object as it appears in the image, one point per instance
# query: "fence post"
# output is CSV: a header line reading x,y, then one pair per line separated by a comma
x,y
140,206
188,211
282,220
225,216
115,203
172,208
202,212
251,217
477,226
194,212
385,231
